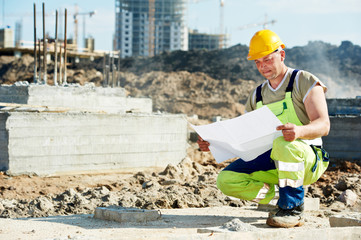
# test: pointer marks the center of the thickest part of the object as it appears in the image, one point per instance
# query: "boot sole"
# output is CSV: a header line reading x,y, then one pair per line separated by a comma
x,y
272,223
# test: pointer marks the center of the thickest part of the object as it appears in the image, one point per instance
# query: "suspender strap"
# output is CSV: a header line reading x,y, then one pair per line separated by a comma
x,y
292,80
258,94
288,89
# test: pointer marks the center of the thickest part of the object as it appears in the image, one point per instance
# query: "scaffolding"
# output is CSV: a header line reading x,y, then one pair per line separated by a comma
x,y
149,27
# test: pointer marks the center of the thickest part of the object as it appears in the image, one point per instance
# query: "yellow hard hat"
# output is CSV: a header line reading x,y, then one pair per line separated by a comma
x,y
263,43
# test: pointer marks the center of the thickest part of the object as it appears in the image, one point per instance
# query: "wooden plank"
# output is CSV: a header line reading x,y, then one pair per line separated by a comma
x,y
22,107
7,109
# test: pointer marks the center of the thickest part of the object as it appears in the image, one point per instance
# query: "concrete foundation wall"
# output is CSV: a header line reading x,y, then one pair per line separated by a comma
x,y
344,139
109,100
53,143
4,142
344,106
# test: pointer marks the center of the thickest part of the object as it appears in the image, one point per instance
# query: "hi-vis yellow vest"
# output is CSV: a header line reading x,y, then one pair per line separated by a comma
x,y
284,109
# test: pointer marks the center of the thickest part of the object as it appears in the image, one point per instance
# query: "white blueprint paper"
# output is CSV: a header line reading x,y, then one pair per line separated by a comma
x,y
245,137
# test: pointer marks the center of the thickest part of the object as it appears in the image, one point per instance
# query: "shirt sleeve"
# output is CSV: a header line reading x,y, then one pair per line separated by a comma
x,y
306,81
251,102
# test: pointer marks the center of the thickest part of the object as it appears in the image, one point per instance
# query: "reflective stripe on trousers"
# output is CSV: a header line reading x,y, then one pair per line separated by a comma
x,y
262,193
246,180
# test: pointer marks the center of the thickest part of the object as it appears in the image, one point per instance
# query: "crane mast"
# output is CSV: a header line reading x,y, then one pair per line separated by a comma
x,y
75,16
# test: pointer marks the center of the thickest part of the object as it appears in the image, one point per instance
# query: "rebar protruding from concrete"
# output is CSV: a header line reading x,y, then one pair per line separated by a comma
x,y
118,75
56,49
35,80
44,48
114,71
104,71
60,63
107,71
109,66
39,60
45,51
65,40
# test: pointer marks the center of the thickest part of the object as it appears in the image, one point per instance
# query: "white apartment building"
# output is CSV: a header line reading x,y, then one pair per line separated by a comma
x,y
149,27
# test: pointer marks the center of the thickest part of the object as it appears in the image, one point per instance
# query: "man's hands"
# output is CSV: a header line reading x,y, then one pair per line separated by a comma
x,y
203,145
290,131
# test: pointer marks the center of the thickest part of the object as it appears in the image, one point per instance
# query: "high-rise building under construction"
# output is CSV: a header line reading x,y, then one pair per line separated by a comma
x,y
149,27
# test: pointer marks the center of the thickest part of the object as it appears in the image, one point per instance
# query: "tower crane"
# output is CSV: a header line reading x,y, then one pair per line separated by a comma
x,y
221,24
75,15
263,23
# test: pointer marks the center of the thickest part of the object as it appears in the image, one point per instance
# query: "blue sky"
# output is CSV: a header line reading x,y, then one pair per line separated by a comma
x,y
297,21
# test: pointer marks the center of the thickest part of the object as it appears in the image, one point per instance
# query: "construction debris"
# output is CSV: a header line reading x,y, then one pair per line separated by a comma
x,y
346,220
120,214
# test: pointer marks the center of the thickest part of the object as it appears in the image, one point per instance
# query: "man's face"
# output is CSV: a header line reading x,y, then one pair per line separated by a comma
x,y
270,66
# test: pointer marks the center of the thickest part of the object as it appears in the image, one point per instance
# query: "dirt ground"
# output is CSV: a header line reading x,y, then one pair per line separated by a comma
x,y
192,183
189,223
62,207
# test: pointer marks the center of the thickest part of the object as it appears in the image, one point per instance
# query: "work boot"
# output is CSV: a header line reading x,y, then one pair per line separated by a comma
x,y
287,218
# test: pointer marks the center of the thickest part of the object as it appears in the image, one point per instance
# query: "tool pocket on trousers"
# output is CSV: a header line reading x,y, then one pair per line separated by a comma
x,y
321,155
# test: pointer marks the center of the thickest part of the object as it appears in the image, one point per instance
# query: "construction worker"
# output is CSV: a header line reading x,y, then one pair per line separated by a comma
x,y
296,159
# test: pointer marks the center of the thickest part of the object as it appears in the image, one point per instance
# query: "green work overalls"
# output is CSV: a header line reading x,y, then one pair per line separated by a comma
x,y
288,165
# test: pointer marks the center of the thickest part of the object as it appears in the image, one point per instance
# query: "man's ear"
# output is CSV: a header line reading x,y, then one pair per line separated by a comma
x,y
283,55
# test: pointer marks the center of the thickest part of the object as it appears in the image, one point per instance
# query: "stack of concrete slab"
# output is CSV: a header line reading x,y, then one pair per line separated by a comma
x,y
79,141
83,98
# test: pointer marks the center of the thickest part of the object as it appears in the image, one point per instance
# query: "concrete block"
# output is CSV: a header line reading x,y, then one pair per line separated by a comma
x,y
73,96
57,143
312,204
124,215
103,130
349,220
